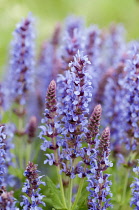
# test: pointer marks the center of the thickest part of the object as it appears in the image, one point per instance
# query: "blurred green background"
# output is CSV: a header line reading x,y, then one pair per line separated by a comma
x,y
49,12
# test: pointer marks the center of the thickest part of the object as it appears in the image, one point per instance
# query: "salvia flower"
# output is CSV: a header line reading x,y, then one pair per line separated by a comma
x,y
48,127
22,61
31,188
93,50
130,85
48,65
99,185
114,45
73,101
112,50
92,45
72,42
114,107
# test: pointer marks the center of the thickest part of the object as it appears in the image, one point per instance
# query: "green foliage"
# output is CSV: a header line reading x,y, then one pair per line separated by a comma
x,y
55,197
81,205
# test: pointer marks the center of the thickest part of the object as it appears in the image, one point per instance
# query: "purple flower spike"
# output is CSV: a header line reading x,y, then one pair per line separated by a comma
x,y
7,200
48,66
130,112
22,61
113,106
74,97
99,185
49,128
31,188
73,41
115,45
92,46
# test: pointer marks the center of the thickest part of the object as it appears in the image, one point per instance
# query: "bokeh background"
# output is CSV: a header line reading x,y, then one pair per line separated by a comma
x,y
49,12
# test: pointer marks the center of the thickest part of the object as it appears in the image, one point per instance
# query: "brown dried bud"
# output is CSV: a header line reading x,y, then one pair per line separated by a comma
x,y
94,123
51,99
104,145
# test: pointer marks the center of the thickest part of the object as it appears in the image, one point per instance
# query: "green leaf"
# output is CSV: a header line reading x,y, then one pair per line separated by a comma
x,y
54,197
17,172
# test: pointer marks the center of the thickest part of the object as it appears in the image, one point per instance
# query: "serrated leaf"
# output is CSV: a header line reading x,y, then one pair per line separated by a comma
x,y
54,197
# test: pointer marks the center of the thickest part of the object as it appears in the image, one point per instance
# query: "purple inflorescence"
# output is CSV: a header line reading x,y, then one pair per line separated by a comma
x,y
48,65
99,185
7,201
130,85
114,45
22,61
121,99
46,68
93,50
135,190
92,45
113,106
73,101
72,42
111,53
48,129
66,121
31,188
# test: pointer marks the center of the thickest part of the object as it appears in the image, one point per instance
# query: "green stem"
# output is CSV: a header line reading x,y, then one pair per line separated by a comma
x,y
70,193
59,176
125,185
78,193
28,152
61,186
